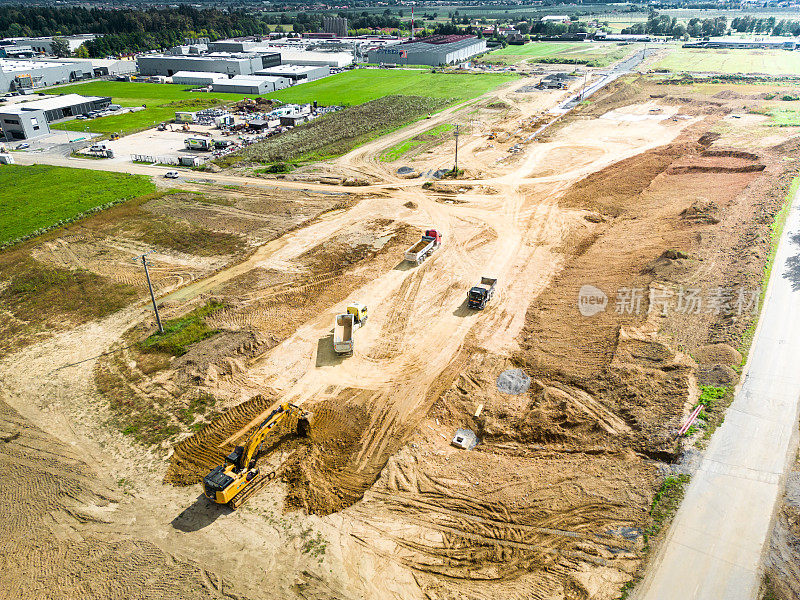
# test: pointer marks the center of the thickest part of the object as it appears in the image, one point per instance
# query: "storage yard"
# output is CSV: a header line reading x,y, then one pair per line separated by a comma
x,y
420,336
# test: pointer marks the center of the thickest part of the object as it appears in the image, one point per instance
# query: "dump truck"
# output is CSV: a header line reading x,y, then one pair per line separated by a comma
x,y
429,243
345,325
479,295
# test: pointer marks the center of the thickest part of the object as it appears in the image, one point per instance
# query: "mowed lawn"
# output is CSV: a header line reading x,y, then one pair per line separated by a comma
x,y
598,53
348,88
361,85
162,100
773,62
38,196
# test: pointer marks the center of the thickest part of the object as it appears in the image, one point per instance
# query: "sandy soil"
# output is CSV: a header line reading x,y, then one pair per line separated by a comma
x,y
376,502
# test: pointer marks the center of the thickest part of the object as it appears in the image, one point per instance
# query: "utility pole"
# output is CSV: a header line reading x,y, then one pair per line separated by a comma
x,y
150,285
455,168
583,90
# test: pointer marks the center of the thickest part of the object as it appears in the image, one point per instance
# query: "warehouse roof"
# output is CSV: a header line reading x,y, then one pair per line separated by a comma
x,y
203,74
59,102
456,42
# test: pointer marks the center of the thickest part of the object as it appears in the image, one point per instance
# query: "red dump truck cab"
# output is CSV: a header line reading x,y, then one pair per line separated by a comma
x,y
434,234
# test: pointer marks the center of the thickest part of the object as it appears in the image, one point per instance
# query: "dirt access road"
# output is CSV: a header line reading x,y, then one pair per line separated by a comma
x,y
714,546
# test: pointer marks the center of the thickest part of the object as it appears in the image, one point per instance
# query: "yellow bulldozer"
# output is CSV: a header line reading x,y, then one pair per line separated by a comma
x,y
239,478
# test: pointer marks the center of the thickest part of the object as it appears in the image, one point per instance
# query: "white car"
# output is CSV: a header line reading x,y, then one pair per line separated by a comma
x,y
172,174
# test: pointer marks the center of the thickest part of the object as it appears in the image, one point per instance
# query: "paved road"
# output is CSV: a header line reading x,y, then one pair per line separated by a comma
x,y
714,546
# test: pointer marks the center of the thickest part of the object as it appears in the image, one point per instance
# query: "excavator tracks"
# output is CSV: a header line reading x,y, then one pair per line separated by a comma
x,y
255,485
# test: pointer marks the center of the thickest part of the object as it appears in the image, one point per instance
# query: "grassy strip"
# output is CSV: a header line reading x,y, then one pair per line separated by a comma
x,y
664,506
37,197
776,231
398,150
37,293
181,333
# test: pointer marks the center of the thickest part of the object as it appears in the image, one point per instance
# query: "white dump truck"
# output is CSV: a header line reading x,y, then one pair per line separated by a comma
x,y
345,325
429,243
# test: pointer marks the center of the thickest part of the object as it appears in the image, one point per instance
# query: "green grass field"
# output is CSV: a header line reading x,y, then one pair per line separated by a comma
x,y
162,100
362,85
38,196
348,88
398,150
773,62
595,54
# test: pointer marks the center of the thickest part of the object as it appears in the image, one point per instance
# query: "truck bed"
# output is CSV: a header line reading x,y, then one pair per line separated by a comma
x,y
344,329
419,246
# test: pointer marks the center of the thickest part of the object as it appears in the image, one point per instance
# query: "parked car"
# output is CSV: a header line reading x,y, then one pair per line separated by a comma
x,y
172,174
82,117
23,146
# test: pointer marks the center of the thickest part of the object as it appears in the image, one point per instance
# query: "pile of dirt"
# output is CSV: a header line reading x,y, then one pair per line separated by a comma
x,y
222,354
195,456
321,474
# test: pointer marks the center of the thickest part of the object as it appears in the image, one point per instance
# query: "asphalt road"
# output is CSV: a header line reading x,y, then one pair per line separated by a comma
x,y
713,548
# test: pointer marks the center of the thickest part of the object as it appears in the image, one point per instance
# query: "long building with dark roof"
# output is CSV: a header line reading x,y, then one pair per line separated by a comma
x,y
433,51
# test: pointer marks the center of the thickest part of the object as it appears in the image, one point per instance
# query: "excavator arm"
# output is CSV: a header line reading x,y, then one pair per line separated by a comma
x,y
234,481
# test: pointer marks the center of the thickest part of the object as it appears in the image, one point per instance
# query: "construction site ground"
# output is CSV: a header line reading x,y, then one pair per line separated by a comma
x,y
651,187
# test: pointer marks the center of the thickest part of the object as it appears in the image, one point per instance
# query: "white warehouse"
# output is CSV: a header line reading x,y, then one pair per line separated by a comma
x,y
197,78
250,85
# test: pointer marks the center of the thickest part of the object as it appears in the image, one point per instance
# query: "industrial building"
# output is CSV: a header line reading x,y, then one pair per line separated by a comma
x,y
44,45
767,43
197,77
434,51
26,120
296,56
250,85
293,52
231,64
335,25
297,73
18,75
65,106
16,123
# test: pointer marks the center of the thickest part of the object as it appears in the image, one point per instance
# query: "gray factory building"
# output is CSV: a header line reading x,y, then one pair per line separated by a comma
x,y
44,45
66,106
230,64
31,74
434,51
20,124
250,85
297,73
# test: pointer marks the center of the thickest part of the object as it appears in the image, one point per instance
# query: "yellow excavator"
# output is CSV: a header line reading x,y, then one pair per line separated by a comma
x,y
239,478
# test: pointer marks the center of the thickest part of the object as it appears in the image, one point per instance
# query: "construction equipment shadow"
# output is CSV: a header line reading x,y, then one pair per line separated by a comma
x,y
199,515
326,355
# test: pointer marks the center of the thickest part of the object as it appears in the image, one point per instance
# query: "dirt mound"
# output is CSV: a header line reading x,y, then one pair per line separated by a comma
x,y
605,191
321,474
717,375
702,211
711,354
670,266
222,354
727,95
731,153
195,456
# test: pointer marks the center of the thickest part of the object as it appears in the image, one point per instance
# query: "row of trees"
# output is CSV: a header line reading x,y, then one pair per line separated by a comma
x,y
769,26
660,24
